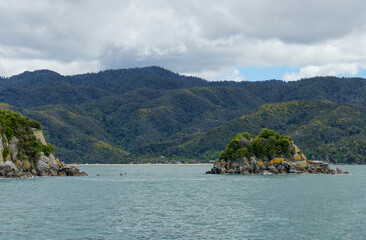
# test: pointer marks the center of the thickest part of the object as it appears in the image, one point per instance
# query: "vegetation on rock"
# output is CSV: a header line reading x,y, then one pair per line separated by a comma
x,y
13,124
23,149
267,145
269,152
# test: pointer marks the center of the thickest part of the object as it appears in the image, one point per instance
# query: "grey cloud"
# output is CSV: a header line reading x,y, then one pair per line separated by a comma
x,y
290,21
185,36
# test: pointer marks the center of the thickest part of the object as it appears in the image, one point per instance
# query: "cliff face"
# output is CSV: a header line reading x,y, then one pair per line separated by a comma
x,y
24,151
266,153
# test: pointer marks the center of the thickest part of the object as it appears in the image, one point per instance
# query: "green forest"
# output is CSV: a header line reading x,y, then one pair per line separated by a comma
x,y
152,114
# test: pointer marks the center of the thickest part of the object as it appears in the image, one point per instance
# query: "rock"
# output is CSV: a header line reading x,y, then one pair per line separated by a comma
x,y
289,160
43,164
1,150
13,144
8,169
19,160
10,175
39,135
73,171
25,175
293,170
16,172
8,164
273,169
53,172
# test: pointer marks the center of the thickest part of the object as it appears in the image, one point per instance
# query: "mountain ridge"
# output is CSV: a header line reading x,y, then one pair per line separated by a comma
x,y
136,113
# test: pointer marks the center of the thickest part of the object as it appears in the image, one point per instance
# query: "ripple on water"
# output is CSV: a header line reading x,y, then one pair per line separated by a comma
x,y
181,202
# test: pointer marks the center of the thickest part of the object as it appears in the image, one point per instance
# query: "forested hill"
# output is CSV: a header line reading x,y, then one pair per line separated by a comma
x,y
143,113
43,87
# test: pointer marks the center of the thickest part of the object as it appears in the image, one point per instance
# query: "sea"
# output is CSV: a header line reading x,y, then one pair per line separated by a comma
x,y
182,202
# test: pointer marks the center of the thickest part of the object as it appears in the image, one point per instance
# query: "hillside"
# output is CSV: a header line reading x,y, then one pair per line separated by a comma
x,y
24,151
142,113
324,130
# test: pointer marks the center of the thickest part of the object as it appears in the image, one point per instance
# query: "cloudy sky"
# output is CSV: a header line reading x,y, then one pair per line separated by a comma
x,y
216,40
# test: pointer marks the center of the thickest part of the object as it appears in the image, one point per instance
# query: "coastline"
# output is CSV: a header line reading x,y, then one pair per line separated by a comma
x,y
149,164
175,164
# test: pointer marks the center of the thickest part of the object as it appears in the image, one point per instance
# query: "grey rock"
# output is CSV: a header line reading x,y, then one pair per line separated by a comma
x,y
243,142
45,164
8,167
1,150
13,144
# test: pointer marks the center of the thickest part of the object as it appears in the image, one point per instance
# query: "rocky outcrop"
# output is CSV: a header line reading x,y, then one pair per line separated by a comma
x,y
24,151
39,135
275,166
44,165
51,166
277,155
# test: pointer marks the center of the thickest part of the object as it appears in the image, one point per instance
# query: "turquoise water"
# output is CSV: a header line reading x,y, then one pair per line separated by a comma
x,y
181,202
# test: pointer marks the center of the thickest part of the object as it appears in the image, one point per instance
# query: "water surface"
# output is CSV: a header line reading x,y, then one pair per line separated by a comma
x,y
181,202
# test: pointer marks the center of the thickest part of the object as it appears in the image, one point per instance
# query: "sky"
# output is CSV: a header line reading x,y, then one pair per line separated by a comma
x,y
213,39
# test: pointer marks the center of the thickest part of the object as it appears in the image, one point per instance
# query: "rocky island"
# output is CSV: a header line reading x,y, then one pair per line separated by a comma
x,y
267,153
24,151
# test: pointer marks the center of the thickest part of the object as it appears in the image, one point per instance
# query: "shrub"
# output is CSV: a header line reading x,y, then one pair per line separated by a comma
x,y
268,144
6,152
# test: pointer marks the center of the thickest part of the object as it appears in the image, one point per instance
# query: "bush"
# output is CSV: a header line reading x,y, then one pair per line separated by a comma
x,y
6,152
268,144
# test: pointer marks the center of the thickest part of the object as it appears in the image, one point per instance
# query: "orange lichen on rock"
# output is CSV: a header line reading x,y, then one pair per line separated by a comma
x,y
276,160
297,157
261,164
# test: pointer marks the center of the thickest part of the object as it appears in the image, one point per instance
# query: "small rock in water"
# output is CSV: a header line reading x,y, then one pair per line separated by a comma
x,y
98,174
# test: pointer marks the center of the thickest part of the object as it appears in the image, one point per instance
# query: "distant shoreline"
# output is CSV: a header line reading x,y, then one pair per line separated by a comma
x,y
149,164
176,164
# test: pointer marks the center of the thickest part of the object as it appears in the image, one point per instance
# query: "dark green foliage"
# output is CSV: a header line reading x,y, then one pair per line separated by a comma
x,y
13,124
144,113
268,144
267,134
29,146
6,152
321,129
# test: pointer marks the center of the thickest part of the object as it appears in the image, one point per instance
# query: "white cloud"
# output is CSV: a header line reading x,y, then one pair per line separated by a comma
x,y
207,38
230,74
323,70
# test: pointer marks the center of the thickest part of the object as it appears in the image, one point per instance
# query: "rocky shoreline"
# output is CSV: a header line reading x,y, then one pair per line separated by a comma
x,y
281,167
45,166
24,151
267,153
